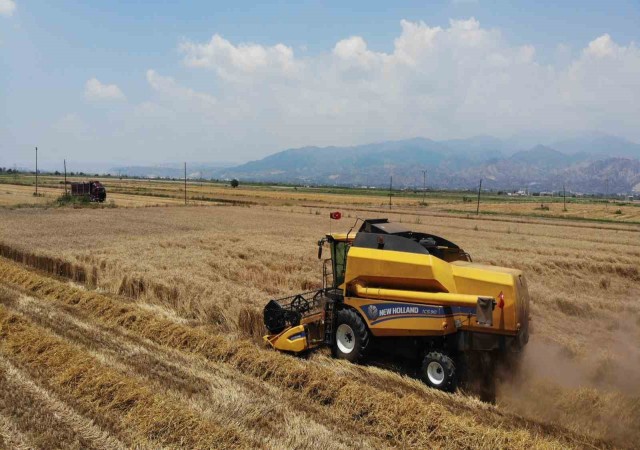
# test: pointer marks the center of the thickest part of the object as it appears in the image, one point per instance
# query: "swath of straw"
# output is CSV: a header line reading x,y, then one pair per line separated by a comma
x,y
103,391
370,408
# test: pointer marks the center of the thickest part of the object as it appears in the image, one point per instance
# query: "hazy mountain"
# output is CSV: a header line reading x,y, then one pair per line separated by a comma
x,y
589,162
600,145
584,164
363,164
545,157
612,175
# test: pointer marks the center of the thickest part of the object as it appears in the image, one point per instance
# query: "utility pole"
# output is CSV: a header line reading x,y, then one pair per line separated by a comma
x,y
606,193
479,189
185,183
424,187
564,196
36,171
390,187
65,177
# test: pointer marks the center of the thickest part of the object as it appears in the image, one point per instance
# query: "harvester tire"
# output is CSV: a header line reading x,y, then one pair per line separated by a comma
x,y
351,336
439,371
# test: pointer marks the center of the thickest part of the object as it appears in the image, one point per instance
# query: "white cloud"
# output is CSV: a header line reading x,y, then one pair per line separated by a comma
x,y
603,83
94,90
231,61
7,7
436,81
441,82
601,47
354,46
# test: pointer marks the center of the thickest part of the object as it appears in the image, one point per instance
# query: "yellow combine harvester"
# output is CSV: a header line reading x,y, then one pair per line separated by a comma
x,y
411,293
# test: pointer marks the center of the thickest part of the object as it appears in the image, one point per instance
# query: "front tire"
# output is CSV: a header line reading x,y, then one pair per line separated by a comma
x,y
351,337
439,371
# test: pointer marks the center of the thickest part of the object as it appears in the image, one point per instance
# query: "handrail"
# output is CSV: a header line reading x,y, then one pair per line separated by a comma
x,y
433,298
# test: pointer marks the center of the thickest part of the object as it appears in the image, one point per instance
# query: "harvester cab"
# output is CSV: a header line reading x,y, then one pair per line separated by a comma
x,y
417,294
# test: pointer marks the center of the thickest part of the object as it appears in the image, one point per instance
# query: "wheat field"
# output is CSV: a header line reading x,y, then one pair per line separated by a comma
x,y
125,327
141,193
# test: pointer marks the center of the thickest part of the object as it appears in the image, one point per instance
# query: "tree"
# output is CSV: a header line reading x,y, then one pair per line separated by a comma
x,y
235,183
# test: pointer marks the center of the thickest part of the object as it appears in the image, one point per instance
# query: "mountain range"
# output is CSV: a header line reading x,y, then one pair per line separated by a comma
x,y
589,163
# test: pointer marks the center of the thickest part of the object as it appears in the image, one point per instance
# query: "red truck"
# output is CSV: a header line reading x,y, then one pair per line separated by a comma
x,y
94,190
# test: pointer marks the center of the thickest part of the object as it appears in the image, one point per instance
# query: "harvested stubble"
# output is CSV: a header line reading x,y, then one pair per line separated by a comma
x,y
403,414
134,409
208,388
43,421
195,266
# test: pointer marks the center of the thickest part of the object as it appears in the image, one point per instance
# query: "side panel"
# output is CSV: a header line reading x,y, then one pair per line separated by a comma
x,y
491,281
416,272
388,268
394,318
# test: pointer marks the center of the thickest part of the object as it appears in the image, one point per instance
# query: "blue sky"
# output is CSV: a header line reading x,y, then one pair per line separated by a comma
x,y
144,82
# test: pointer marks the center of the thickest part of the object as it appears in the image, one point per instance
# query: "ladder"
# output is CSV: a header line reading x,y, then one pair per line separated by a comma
x,y
329,318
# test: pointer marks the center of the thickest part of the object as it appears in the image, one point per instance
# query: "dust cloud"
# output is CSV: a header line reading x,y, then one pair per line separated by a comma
x,y
598,391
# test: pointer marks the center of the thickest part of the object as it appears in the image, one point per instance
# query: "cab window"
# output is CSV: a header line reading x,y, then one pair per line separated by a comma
x,y
339,256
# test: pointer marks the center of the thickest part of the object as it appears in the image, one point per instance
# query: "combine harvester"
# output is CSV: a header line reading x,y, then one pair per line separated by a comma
x,y
387,289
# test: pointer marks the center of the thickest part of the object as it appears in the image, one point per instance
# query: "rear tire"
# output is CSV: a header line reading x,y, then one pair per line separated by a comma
x,y
439,371
351,337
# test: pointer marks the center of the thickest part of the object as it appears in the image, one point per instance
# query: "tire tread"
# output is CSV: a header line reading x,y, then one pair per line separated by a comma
x,y
351,318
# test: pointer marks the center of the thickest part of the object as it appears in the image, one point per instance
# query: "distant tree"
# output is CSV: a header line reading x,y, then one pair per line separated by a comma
x,y
235,183
56,173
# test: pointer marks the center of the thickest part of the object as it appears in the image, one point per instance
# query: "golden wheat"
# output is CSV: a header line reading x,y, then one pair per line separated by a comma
x,y
193,280
409,415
